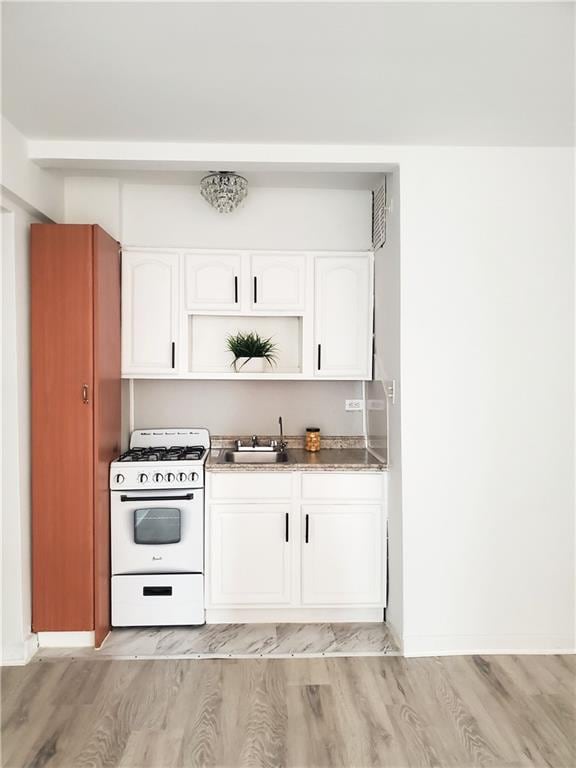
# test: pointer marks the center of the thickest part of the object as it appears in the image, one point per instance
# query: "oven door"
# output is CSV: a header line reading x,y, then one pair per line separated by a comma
x,y
157,531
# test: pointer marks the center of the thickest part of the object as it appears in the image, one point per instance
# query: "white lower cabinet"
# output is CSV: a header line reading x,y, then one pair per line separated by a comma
x,y
250,557
296,549
342,554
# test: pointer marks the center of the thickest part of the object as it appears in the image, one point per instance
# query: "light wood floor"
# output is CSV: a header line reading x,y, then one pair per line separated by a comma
x,y
504,711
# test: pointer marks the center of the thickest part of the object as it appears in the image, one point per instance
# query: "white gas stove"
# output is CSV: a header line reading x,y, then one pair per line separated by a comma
x,y
157,528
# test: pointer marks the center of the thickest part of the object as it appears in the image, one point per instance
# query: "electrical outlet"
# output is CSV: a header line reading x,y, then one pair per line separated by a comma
x,y
354,405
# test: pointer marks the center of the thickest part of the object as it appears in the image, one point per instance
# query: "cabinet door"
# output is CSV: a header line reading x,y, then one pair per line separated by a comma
x,y
342,554
278,282
212,280
149,312
249,554
343,316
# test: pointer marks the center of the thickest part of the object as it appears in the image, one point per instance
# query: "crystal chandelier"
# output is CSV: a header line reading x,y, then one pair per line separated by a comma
x,y
224,190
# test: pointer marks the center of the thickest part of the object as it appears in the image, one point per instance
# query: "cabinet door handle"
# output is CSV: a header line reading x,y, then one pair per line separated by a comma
x,y
286,527
235,289
173,354
255,289
319,356
85,399
307,534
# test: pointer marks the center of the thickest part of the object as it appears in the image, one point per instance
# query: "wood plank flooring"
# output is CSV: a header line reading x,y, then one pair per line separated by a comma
x,y
238,641
501,711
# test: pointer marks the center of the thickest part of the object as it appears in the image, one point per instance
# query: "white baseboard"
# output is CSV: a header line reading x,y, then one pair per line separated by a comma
x,y
19,655
66,639
291,615
486,645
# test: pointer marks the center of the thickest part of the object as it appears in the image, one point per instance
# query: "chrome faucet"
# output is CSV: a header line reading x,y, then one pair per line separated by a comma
x,y
282,445
254,441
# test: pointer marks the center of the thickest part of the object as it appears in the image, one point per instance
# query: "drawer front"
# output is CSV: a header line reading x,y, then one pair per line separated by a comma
x,y
157,600
251,485
343,485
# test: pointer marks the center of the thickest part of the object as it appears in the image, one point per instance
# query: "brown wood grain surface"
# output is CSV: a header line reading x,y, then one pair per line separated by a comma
x,y
62,427
107,412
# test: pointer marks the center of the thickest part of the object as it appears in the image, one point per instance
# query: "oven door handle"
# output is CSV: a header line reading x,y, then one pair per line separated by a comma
x,y
186,497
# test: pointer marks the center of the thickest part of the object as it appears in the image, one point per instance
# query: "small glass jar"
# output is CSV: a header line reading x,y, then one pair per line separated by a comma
x,y
312,439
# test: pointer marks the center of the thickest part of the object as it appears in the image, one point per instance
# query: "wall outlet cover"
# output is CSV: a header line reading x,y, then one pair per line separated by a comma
x,y
354,405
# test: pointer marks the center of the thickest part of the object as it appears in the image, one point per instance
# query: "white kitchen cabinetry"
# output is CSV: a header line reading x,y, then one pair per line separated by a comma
x,y
342,554
312,546
180,305
212,280
343,316
250,554
278,282
150,283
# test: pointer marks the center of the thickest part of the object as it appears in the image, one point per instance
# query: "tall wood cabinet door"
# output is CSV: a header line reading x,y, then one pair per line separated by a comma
x,y
62,427
150,312
278,282
249,554
107,413
343,316
342,554
213,280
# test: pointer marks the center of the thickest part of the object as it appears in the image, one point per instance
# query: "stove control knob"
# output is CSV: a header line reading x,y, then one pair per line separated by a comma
x,y
143,478
158,477
169,477
119,479
193,476
182,476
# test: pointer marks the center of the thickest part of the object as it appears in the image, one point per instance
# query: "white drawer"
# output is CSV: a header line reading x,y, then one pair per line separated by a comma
x,y
343,485
157,600
251,485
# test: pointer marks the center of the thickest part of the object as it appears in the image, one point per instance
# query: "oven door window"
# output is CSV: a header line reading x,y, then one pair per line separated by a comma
x,y
157,525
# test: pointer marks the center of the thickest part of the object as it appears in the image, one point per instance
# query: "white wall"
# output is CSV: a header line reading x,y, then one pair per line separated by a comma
x,y
37,189
487,318
17,641
383,421
160,215
248,407
93,200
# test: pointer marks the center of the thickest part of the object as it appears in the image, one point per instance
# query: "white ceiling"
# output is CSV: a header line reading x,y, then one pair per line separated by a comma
x,y
495,74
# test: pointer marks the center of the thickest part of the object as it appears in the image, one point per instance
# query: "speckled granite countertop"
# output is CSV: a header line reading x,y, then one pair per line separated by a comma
x,y
338,454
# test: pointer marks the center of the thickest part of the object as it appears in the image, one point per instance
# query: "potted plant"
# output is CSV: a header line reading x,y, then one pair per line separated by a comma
x,y
251,352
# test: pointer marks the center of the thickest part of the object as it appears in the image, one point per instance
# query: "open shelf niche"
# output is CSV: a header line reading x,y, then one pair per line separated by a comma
x,y
208,353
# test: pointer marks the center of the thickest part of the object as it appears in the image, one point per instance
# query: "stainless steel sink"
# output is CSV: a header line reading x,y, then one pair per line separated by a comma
x,y
253,457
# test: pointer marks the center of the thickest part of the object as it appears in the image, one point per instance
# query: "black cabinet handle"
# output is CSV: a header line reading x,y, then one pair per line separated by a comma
x,y
157,591
287,527
255,289
185,497
235,289
173,354
307,534
319,356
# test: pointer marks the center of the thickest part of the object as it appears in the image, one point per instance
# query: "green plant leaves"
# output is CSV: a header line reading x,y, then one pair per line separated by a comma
x,y
251,344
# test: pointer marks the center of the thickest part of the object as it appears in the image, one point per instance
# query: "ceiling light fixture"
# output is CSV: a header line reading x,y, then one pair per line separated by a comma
x,y
224,190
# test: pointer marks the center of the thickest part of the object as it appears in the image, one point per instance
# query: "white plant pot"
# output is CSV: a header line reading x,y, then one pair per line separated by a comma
x,y
251,364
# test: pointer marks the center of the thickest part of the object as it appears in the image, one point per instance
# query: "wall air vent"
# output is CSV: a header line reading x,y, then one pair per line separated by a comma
x,y
379,209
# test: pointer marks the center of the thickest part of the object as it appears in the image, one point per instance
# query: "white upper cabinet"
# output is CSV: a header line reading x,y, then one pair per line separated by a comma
x,y
212,280
343,316
149,312
342,554
278,282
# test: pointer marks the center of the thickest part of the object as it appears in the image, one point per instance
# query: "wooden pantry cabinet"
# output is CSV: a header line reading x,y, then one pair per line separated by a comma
x,y
75,412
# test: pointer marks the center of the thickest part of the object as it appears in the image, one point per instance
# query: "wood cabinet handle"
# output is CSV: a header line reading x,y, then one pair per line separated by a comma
x,y
85,394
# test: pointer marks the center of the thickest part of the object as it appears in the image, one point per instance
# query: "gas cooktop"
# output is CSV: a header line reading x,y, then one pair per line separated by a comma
x,y
161,453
